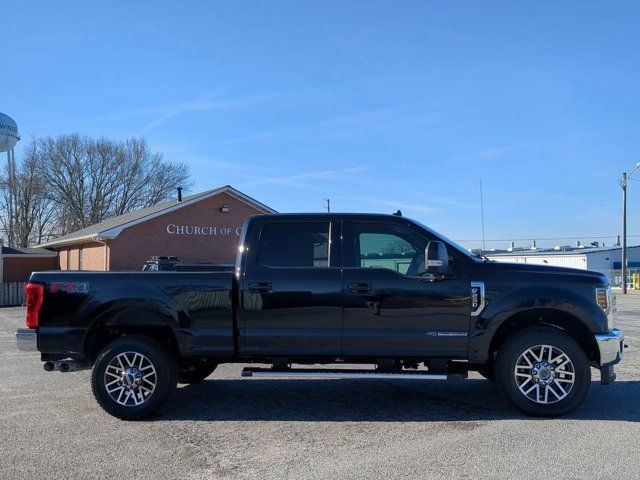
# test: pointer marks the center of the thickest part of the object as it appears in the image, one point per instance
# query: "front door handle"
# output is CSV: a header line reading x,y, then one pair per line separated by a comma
x,y
360,288
260,287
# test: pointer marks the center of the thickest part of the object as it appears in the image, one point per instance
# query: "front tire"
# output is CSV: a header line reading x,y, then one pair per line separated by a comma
x,y
543,371
133,377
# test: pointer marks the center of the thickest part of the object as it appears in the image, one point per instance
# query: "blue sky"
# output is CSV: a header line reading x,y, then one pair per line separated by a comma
x,y
375,105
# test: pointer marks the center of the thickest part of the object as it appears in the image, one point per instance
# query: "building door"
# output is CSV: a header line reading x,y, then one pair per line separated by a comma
x,y
291,300
390,309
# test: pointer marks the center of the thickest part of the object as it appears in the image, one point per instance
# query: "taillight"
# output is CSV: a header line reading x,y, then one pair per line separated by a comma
x,y
34,296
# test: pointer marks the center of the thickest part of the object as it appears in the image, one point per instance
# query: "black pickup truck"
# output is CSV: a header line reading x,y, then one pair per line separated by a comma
x,y
381,291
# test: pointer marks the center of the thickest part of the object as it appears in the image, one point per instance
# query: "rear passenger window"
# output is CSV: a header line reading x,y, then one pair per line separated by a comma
x,y
304,244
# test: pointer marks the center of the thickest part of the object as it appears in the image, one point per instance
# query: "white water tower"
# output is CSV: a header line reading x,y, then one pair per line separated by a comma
x,y
9,136
8,133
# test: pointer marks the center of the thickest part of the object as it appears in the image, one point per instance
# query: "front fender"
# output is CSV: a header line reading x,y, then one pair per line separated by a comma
x,y
501,306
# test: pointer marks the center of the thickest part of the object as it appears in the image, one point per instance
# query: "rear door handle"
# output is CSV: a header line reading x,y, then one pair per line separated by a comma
x,y
360,288
260,287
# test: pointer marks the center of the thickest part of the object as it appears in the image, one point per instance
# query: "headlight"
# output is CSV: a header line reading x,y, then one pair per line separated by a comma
x,y
607,302
603,298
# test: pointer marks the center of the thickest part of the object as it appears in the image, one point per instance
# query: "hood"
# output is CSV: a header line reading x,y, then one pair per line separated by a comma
x,y
543,269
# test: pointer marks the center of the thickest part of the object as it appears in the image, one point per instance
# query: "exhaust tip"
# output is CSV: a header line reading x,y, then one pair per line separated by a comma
x,y
63,367
48,366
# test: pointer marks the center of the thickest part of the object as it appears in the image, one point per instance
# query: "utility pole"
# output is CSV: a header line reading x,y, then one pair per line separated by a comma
x,y
484,246
623,184
328,204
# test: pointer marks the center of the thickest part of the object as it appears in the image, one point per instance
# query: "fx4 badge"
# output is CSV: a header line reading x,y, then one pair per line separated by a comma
x,y
69,287
477,298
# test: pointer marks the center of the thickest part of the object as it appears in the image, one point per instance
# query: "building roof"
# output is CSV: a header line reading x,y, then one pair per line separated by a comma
x,y
551,251
27,251
111,227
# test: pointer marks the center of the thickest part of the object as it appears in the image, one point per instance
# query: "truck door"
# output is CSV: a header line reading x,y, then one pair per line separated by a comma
x,y
390,309
291,290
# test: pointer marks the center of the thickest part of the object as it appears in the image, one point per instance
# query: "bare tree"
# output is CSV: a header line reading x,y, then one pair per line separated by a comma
x,y
28,212
69,182
147,177
92,180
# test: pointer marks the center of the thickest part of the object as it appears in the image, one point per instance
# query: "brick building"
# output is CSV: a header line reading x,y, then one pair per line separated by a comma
x,y
16,264
202,228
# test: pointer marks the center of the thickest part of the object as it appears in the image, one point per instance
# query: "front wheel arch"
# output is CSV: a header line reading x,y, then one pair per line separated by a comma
x,y
549,318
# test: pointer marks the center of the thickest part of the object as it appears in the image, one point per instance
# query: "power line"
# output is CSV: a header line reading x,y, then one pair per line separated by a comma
x,y
540,238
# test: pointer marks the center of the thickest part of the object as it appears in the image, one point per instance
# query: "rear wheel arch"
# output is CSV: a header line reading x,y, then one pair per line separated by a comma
x,y
129,321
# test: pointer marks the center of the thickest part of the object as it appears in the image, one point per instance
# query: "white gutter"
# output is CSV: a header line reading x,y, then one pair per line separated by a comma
x,y
71,241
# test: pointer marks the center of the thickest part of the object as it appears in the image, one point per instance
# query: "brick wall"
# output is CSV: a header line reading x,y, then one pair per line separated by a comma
x,y
93,256
63,258
74,257
18,269
195,233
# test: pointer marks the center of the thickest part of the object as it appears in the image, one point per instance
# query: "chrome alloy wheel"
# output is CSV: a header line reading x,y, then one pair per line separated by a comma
x,y
130,379
544,374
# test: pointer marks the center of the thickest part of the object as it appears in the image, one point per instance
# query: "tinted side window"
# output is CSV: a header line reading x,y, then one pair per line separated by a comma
x,y
384,245
295,244
383,250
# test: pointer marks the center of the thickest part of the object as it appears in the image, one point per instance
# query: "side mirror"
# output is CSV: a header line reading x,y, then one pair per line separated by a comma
x,y
436,258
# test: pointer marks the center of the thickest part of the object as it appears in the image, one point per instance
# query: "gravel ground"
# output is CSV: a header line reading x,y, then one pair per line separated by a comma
x,y
228,427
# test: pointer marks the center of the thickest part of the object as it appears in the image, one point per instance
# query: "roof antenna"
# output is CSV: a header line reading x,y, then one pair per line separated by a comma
x,y
484,246
398,213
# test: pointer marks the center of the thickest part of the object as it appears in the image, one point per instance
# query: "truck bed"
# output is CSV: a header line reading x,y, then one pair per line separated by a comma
x,y
196,307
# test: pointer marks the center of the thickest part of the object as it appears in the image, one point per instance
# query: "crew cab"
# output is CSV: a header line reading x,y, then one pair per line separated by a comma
x,y
382,293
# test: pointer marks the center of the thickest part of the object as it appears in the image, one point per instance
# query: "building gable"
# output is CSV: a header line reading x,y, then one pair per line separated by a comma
x,y
112,227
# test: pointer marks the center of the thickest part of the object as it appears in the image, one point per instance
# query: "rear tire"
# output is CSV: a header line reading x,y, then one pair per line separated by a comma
x,y
133,377
543,371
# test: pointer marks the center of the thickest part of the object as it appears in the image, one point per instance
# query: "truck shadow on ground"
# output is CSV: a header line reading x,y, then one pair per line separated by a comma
x,y
377,400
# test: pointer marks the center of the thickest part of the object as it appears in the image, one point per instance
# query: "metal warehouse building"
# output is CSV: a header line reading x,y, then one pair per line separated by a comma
x,y
607,260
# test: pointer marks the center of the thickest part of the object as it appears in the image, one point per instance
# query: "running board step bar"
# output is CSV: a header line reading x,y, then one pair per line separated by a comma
x,y
318,373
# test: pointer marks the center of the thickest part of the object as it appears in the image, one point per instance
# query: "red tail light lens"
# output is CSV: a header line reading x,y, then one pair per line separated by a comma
x,y
35,296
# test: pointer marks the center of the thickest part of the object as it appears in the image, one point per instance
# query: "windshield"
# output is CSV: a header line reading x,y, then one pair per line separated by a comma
x,y
454,244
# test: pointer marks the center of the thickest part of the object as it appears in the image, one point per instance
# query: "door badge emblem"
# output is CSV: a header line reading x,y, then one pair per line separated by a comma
x,y
477,298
